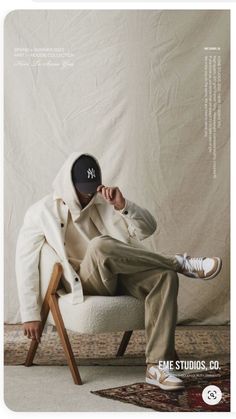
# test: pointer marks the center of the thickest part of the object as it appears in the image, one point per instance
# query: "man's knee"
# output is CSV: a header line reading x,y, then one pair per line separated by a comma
x,y
100,244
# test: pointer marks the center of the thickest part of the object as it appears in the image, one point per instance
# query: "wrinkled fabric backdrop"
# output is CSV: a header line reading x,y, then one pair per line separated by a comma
x,y
132,94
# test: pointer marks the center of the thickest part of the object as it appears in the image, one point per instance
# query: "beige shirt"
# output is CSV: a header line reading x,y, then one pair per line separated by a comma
x,y
78,235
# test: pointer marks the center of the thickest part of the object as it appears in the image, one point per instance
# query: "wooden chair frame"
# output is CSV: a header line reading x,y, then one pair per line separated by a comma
x,y
50,302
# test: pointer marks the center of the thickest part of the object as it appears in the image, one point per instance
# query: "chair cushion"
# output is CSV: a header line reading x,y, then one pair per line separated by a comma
x,y
101,314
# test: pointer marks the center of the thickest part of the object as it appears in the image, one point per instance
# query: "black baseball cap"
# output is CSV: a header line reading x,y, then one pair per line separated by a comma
x,y
86,174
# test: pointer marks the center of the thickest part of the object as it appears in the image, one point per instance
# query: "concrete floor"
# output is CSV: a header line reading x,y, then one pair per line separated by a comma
x,y
50,388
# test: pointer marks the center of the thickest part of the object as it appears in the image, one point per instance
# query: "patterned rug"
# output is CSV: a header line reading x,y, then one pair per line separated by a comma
x,y
192,342
187,400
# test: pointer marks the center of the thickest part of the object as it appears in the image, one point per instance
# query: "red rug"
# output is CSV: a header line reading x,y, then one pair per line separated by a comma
x,y
187,400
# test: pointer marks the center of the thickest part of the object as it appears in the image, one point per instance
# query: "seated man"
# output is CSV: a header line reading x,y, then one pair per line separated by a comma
x,y
97,234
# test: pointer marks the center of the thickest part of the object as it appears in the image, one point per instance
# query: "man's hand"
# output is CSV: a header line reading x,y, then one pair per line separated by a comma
x,y
33,330
112,195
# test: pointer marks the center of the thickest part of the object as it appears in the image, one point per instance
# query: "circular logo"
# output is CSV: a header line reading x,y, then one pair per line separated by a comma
x,y
211,395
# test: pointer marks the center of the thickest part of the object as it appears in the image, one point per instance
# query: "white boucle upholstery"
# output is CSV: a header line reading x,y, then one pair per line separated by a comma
x,y
100,314
97,314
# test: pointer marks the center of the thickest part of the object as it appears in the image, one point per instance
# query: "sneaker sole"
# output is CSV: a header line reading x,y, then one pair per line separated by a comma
x,y
217,270
163,386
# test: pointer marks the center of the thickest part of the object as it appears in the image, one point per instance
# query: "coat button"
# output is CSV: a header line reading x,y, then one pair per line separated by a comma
x,y
62,225
125,212
76,279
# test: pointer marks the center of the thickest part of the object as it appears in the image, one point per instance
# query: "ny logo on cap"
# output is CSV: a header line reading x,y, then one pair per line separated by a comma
x,y
91,173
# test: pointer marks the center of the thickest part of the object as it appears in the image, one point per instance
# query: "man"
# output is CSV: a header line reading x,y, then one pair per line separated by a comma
x,y
97,234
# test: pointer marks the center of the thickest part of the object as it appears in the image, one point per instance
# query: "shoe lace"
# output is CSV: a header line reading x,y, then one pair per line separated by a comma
x,y
192,264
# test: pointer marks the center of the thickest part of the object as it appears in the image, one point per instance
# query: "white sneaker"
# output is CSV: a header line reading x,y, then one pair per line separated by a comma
x,y
163,378
202,267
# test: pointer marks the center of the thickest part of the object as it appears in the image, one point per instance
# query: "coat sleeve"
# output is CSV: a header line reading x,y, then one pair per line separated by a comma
x,y
140,222
29,243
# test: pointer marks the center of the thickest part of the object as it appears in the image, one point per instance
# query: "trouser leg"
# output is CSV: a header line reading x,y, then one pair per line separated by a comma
x,y
112,267
107,257
161,313
159,289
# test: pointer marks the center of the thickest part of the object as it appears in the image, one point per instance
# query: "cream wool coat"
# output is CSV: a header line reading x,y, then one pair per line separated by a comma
x,y
46,220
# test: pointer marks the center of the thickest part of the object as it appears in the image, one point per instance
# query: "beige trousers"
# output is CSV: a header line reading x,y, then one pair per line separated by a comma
x,y
112,267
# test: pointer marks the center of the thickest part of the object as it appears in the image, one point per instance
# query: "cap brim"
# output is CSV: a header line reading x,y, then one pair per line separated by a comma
x,y
88,187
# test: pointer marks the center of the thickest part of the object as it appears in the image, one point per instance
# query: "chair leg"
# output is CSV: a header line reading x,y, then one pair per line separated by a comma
x,y
52,287
53,303
34,344
176,356
124,343
50,302
31,353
